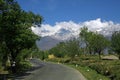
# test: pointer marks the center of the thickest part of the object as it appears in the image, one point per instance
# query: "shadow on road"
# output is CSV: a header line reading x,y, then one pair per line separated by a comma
x,y
36,65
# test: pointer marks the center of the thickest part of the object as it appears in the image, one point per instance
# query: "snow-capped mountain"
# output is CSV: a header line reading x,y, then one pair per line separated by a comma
x,y
62,31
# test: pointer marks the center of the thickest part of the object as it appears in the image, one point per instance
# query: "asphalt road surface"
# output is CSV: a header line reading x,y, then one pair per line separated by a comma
x,y
51,71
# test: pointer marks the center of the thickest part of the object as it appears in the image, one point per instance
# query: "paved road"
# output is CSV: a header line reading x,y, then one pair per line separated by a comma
x,y
51,71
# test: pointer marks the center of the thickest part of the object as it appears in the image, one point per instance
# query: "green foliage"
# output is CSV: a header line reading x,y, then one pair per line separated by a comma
x,y
73,48
60,60
100,42
24,54
115,41
23,66
98,69
95,43
59,50
89,73
109,68
115,72
15,29
68,48
45,55
40,54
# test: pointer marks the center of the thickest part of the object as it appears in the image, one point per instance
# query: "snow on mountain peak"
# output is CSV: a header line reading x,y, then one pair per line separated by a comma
x,y
65,30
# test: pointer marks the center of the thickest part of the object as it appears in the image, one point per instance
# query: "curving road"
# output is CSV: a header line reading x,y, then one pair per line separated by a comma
x,y
51,71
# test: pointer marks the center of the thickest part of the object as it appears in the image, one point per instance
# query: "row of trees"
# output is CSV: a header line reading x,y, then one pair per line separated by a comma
x,y
95,43
15,30
88,43
68,48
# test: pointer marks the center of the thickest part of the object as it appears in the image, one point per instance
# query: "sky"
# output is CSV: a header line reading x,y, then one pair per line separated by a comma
x,y
54,11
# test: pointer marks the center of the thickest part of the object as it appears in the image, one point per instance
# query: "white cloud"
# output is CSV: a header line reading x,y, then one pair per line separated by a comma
x,y
48,30
96,23
67,29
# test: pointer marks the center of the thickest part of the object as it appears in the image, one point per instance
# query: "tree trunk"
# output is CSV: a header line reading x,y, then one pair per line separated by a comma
x,y
90,52
13,62
99,52
119,56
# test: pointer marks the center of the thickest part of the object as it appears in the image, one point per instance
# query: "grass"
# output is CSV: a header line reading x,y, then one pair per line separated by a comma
x,y
89,73
106,69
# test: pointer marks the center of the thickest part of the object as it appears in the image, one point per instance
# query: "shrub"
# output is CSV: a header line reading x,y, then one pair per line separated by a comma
x,y
23,66
115,72
98,67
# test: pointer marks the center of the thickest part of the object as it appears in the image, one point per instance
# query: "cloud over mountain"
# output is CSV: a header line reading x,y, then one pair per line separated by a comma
x,y
61,29
65,30
72,28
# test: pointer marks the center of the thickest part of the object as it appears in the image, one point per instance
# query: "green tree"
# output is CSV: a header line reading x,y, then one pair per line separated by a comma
x,y
15,28
99,43
72,48
94,42
115,42
69,48
59,50
86,37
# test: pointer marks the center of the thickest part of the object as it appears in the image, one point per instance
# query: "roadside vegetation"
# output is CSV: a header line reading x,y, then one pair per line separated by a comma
x,y
89,52
17,46
89,73
91,67
17,40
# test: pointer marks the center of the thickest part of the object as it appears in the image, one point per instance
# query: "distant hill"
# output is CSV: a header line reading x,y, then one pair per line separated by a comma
x,y
47,42
62,31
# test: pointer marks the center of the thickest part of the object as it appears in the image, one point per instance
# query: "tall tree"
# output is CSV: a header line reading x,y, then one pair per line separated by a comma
x,y
99,43
86,38
15,28
94,42
115,41
69,48
59,50
73,48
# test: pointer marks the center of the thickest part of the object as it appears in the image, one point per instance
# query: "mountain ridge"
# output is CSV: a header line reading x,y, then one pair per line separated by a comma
x,y
62,31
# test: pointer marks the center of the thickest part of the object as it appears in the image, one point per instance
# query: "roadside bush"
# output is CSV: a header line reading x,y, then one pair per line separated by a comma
x,y
107,68
60,60
115,72
53,60
99,68
23,66
67,61
24,54
40,54
45,55
1,68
